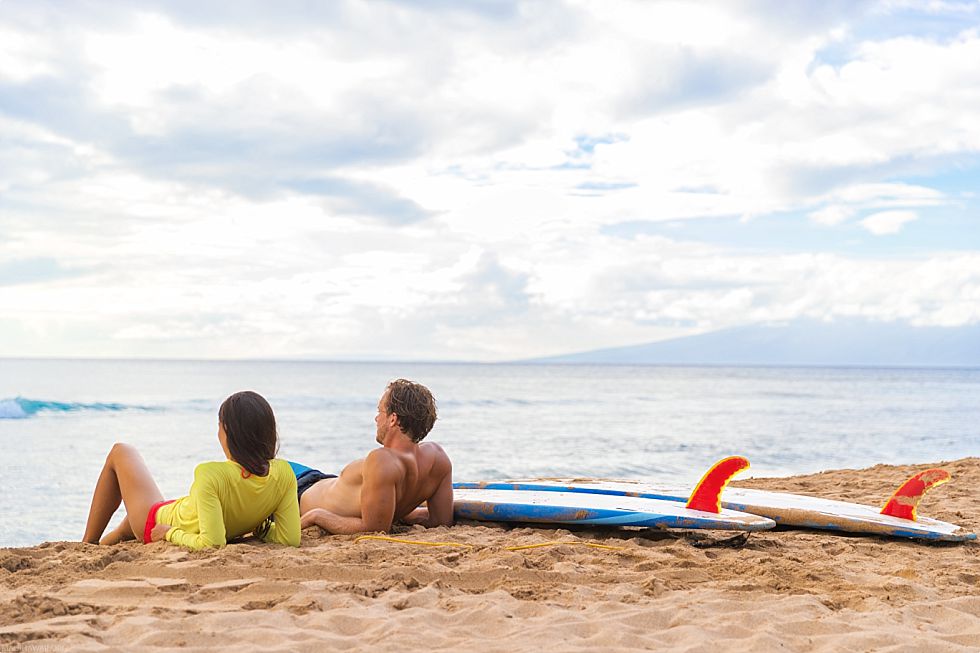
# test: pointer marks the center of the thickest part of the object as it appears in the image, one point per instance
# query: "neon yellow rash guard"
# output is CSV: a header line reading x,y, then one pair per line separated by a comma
x,y
223,505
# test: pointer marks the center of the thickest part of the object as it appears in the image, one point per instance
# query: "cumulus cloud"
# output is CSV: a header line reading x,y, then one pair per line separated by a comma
x,y
34,270
831,215
888,222
476,180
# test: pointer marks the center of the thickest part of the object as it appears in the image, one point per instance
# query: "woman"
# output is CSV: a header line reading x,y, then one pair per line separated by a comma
x,y
252,491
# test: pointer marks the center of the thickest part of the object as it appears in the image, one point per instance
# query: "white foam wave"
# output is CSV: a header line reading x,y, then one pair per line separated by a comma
x,y
11,409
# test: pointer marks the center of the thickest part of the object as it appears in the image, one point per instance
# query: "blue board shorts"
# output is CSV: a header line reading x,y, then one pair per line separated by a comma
x,y
306,477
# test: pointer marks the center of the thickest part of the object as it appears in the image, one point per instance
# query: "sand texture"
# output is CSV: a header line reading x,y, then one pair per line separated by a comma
x,y
784,590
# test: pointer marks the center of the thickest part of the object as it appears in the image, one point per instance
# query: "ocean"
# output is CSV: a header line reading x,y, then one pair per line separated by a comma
x,y
58,419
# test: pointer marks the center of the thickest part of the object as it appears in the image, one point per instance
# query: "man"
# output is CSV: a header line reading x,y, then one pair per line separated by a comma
x,y
390,482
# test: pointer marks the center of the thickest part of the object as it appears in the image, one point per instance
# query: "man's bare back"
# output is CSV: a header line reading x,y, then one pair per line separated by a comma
x,y
390,482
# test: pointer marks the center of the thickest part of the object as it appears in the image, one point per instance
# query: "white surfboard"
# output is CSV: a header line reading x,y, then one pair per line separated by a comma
x,y
784,508
555,507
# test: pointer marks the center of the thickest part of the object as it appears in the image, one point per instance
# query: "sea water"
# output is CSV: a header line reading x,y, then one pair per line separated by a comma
x,y
58,419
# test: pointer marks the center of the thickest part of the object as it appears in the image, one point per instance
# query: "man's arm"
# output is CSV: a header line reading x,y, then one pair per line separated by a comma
x,y
332,523
380,474
439,507
441,504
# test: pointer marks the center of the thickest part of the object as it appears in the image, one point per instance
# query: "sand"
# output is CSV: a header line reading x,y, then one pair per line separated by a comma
x,y
787,590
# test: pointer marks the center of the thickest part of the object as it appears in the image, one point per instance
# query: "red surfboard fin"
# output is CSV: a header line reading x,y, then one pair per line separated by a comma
x,y
707,493
906,499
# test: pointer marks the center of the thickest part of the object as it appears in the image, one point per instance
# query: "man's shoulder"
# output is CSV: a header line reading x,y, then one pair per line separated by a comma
x,y
439,455
384,461
433,446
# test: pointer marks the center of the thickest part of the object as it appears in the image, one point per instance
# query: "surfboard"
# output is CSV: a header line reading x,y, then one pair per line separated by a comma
x,y
786,509
594,509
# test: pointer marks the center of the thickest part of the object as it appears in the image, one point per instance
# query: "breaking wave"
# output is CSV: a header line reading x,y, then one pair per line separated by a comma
x,y
22,408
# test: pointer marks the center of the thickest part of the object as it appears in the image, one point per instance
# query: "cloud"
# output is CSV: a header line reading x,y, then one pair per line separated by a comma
x,y
249,116
831,215
890,194
671,78
477,180
490,290
363,199
657,281
848,200
807,18
212,142
34,270
888,222
292,16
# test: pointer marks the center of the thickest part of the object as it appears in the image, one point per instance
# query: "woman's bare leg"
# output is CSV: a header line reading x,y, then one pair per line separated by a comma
x,y
120,533
124,479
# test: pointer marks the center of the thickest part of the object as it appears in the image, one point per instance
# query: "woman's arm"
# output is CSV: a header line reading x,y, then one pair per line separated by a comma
x,y
284,529
209,514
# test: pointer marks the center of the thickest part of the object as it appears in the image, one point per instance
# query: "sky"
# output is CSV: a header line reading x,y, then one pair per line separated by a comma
x,y
479,181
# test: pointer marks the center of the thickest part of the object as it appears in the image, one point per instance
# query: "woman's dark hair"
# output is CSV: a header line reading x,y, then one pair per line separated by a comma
x,y
251,429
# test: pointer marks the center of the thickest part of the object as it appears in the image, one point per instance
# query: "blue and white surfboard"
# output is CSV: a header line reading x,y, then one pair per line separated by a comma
x,y
784,508
547,507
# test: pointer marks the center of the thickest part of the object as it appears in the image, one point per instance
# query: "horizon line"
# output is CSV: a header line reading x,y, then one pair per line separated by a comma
x,y
541,361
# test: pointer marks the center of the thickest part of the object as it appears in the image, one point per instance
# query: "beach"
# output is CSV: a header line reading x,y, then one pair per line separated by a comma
x,y
792,590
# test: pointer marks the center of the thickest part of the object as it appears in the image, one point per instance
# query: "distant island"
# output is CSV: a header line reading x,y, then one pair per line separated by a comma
x,y
804,342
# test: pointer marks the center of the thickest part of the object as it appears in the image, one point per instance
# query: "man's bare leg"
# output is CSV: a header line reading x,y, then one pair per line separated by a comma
x,y
125,478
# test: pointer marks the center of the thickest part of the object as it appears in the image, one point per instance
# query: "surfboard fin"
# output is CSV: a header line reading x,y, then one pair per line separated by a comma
x,y
707,493
905,501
